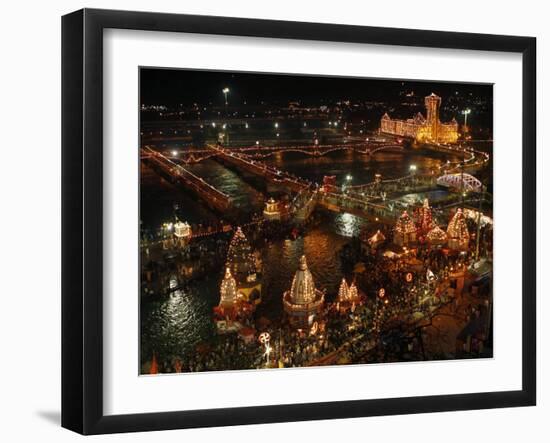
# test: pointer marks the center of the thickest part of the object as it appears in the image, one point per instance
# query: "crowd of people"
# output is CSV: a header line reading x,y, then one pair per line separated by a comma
x,y
401,294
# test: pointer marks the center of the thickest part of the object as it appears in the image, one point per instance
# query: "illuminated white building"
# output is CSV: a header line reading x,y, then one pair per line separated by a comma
x,y
182,230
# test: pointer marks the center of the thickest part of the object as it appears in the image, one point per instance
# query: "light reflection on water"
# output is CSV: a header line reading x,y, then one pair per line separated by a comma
x,y
230,183
322,249
348,225
174,325
361,167
415,199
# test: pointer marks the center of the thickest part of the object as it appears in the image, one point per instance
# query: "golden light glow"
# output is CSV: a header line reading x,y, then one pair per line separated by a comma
x,y
422,128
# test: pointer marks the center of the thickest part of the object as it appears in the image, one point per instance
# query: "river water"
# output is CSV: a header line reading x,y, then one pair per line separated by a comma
x,y
175,325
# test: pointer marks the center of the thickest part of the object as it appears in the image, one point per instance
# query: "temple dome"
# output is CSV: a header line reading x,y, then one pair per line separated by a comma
x,y
302,290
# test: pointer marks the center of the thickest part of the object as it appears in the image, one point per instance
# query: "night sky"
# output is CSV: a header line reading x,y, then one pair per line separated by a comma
x,y
174,86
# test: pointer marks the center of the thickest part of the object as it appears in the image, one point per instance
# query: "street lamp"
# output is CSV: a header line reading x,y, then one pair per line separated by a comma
x,y
466,112
264,340
412,168
225,92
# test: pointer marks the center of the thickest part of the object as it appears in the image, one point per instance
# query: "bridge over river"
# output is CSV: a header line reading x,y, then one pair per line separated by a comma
x,y
177,173
371,200
334,200
259,152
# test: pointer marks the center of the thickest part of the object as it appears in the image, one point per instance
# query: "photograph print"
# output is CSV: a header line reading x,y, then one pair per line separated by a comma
x,y
293,221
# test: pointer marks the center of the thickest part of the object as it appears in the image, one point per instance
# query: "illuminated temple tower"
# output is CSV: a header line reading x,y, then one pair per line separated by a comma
x,y
240,259
432,103
303,302
348,297
228,291
404,232
436,236
343,291
242,264
425,218
233,304
457,232
429,129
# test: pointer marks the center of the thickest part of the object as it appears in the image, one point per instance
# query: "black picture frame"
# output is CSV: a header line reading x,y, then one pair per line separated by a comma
x,y
82,219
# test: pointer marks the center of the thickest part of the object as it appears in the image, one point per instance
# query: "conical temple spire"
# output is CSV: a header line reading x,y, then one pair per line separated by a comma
x,y
303,288
228,290
343,291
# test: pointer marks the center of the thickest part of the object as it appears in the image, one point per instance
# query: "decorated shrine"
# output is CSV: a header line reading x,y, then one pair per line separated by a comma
x,y
303,302
405,231
457,232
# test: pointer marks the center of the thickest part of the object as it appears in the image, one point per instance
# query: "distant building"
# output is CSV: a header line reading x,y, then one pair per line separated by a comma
x,y
423,129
